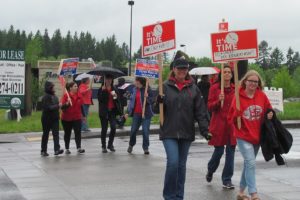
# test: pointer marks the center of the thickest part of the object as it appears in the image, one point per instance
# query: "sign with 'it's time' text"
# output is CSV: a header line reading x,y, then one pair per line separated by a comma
x,y
234,45
158,38
12,78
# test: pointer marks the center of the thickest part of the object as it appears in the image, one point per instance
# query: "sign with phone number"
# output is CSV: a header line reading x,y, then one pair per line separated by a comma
x,y
12,79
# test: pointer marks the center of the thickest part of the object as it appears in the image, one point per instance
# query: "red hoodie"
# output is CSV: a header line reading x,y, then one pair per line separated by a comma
x,y
85,94
221,130
252,115
73,112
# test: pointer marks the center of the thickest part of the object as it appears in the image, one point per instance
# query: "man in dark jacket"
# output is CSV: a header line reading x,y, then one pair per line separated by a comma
x,y
50,119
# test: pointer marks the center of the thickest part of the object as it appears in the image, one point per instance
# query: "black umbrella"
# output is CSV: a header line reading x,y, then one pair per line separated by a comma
x,y
102,71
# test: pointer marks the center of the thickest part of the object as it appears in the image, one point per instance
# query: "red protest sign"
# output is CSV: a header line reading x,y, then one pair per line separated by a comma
x,y
234,45
223,26
158,38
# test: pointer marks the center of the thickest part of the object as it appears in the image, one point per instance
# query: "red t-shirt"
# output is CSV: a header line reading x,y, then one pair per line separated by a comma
x,y
138,104
111,104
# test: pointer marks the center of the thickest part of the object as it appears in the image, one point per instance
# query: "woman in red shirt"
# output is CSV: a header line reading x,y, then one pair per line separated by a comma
x,y
221,129
253,106
71,116
85,93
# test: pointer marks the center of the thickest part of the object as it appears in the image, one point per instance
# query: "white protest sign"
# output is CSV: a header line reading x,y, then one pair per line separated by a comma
x,y
275,97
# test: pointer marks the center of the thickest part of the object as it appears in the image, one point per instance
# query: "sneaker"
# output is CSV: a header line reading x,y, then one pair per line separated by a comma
x,y
67,151
104,150
87,130
228,186
111,148
58,152
80,150
129,150
209,177
44,153
146,152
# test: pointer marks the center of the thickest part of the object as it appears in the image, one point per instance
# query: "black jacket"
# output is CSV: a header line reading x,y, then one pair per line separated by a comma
x,y
50,103
103,102
181,110
275,139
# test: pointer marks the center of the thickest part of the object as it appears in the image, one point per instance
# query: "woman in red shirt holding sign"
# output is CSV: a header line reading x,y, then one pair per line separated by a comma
x,y
71,116
221,129
253,106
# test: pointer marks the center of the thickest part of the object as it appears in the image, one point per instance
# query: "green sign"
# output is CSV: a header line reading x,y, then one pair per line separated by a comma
x,y
12,79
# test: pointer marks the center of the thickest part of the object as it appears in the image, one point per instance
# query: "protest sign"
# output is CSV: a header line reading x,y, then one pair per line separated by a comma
x,y
275,97
158,38
68,66
234,45
147,68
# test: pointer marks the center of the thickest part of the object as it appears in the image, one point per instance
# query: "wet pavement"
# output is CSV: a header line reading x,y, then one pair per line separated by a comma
x,y
24,174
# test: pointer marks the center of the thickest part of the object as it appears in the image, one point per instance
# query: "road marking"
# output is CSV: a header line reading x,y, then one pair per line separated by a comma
x,y
35,139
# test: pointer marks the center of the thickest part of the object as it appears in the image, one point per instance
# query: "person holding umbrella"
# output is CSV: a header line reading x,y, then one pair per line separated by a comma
x,y
71,116
221,130
109,107
183,105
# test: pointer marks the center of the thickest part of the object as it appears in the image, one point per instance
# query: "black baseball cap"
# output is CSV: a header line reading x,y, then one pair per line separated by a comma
x,y
181,63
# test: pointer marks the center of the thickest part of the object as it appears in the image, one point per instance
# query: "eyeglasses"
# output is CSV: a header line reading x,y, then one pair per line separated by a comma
x,y
252,81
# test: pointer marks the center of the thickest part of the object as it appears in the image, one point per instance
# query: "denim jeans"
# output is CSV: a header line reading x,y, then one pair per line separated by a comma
x,y
85,109
177,152
137,120
214,162
249,152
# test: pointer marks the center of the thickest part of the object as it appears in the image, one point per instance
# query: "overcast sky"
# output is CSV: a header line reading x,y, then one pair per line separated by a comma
x,y
277,21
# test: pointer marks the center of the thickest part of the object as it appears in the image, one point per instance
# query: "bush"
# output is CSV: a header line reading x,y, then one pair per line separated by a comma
x,y
283,80
296,78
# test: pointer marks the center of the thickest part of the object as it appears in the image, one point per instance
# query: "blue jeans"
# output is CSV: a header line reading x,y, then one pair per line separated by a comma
x,y
214,162
137,120
177,153
85,109
249,152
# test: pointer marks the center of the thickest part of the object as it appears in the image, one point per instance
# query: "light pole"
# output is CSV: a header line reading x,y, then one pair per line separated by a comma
x,y
184,46
130,3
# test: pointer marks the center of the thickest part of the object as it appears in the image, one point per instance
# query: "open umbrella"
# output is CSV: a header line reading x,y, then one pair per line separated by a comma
x,y
83,76
102,71
204,71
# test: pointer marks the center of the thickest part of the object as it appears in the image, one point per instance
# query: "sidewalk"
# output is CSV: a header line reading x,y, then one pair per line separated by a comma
x,y
95,133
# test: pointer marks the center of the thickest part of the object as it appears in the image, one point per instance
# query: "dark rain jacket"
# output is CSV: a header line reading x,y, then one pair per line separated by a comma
x,y
181,110
50,104
275,139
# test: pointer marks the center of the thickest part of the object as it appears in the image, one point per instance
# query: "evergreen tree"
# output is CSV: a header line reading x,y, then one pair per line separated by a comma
x,y
67,43
23,39
46,44
57,44
264,55
10,39
276,58
99,55
18,41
